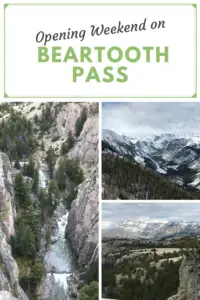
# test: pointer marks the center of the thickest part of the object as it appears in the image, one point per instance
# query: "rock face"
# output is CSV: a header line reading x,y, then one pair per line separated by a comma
x,y
6,296
82,228
151,229
185,291
86,147
7,208
9,272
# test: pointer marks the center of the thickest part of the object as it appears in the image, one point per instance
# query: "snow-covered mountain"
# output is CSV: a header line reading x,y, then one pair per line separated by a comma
x,y
175,156
153,228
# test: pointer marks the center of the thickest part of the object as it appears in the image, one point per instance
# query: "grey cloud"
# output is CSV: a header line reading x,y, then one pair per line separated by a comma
x,y
118,212
135,119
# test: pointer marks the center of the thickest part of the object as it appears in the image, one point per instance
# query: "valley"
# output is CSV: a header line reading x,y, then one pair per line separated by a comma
x,y
48,200
153,266
170,162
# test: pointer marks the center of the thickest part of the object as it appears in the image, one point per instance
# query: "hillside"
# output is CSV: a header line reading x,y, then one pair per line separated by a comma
x,y
148,270
48,179
147,228
175,157
124,178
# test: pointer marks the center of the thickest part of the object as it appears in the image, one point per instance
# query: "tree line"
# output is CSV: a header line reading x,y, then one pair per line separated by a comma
x,y
17,137
125,179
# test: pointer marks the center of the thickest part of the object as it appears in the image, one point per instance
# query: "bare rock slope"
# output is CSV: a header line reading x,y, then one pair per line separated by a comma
x,y
186,286
9,272
82,229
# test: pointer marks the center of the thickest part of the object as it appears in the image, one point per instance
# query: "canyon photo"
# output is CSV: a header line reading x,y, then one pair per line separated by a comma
x,y
48,200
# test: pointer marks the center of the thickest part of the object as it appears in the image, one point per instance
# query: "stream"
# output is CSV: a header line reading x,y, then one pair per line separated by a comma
x,y
59,257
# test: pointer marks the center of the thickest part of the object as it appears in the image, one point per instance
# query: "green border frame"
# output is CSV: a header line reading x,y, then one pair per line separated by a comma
x,y
100,4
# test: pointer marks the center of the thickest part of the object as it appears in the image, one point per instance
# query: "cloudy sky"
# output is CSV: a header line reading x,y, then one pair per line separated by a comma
x,y
142,119
116,213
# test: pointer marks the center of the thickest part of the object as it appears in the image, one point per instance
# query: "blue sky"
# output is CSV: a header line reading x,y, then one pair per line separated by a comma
x,y
115,213
142,118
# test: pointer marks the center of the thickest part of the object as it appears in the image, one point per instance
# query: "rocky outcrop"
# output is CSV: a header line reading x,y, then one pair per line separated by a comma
x,y
9,272
87,146
186,290
7,207
6,296
82,228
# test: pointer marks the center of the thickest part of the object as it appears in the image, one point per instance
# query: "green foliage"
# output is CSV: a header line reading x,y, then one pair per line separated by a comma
x,y
16,136
66,146
42,146
35,119
5,107
37,272
26,240
89,291
148,283
27,225
53,197
165,285
125,179
29,169
81,121
63,149
68,171
35,183
47,117
70,195
22,194
23,243
70,140
17,164
43,202
55,138
42,198
34,273
51,159
48,201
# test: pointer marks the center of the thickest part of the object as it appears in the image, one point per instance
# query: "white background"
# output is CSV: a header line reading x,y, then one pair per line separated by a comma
x,y
28,78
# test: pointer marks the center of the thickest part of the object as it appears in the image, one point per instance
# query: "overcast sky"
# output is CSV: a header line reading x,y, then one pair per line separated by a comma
x,y
116,213
142,119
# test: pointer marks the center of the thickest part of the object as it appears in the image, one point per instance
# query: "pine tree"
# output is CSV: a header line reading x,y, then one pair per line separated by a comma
x,y
37,273
70,140
90,291
53,196
35,183
21,192
30,169
43,201
17,164
68,170
63,149
70,195
42,146
16,136
50,159
23,242
81,121
36,119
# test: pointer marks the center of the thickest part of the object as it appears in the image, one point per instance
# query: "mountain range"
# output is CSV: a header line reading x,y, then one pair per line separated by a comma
x,y
152,229
176,157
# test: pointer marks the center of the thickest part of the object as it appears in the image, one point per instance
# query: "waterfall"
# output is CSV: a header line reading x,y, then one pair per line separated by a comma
x,y
59,257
